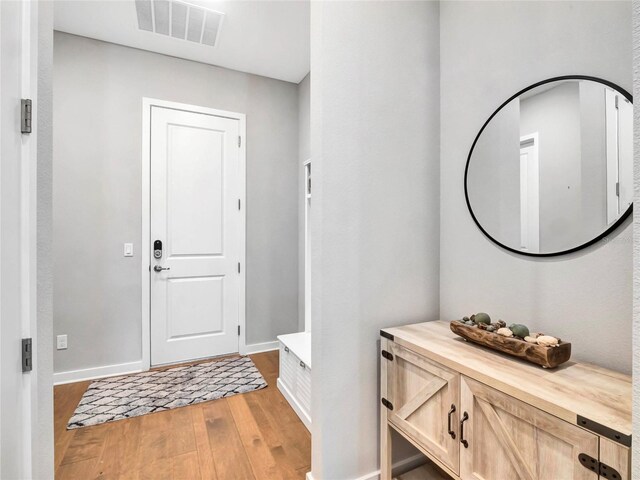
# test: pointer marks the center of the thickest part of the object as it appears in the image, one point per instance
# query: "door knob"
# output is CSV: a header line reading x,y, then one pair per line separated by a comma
x,y
158,268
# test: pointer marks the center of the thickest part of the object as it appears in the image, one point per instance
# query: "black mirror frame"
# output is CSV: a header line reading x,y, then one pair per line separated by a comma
x,y
607,232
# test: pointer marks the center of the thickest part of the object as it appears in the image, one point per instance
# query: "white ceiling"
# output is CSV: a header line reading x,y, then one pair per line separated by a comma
x,y
269,38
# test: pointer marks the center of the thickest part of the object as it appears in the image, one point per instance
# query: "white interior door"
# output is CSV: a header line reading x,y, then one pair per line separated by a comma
x,y
195,213
529,194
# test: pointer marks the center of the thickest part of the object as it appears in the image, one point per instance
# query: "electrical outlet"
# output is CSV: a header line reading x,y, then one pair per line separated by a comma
x,y
62,342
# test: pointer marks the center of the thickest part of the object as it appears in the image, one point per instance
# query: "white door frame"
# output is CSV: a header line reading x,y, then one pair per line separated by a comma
x,y
147,104
20,317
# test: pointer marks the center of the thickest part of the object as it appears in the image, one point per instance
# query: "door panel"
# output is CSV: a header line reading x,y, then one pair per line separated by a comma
x,y
195,187
422,394
510,439
198,299
195,190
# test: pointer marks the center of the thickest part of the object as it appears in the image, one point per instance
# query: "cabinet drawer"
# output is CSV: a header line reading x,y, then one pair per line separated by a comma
x,y
424,396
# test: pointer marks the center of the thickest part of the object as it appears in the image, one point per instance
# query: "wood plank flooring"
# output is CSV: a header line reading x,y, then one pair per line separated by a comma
x,y
249,436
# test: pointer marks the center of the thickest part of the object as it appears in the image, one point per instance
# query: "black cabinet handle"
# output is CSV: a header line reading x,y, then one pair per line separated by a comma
x,y
451,432
465,417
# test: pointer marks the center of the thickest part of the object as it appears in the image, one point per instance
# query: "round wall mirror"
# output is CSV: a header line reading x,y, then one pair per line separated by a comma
x,y
551,170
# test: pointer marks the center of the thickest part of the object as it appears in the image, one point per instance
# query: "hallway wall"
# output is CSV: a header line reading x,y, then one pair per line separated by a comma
x,y
584,297
375,257
98,90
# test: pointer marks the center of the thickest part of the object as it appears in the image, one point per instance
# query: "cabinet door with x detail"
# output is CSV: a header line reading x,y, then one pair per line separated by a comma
x,y
507,438
424,397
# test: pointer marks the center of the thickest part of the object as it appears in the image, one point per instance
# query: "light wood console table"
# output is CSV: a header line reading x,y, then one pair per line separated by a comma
x,y
481,415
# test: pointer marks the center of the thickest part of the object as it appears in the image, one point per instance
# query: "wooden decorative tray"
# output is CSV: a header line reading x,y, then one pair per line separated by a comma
x,y
547,357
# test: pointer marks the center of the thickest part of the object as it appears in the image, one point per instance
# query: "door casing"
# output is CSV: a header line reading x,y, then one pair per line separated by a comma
x,y
23,395
145,241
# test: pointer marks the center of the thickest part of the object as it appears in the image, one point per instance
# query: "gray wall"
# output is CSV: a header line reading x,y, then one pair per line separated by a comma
x,y
98,90
375,258
304,154
485,58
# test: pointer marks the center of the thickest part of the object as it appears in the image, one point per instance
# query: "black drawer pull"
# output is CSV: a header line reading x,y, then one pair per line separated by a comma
x,y
451,432
465,417
302,364
286,349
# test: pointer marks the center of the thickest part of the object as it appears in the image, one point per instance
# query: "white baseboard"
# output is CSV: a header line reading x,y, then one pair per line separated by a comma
x,y
293,401
72,376
403,466
261,347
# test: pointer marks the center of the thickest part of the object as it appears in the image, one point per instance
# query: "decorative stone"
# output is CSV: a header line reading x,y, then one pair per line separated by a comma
x,y
465,319
505,332
519,330
491,328
501,324
482,326
547,341
530,339
482,318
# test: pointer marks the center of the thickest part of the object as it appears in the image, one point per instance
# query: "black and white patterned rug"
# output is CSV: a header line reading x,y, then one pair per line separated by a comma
x,y
133,395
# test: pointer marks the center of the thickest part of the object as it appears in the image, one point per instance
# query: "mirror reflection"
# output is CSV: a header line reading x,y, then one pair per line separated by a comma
x,y
553,169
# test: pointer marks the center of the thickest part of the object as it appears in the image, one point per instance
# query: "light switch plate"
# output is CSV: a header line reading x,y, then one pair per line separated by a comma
x,y
128,249
61,342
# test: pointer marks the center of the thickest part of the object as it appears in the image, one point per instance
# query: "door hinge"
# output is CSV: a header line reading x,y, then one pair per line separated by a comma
x,y
387,403
25,115
602,469
240,138
616,101
617,189
27,355
238,330
387,355
239,204
238,267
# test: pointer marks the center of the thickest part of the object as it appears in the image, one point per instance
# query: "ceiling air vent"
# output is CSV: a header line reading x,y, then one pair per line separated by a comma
x,y
179,20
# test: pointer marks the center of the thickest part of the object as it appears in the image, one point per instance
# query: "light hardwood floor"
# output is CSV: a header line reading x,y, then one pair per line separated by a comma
x,y
254,435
